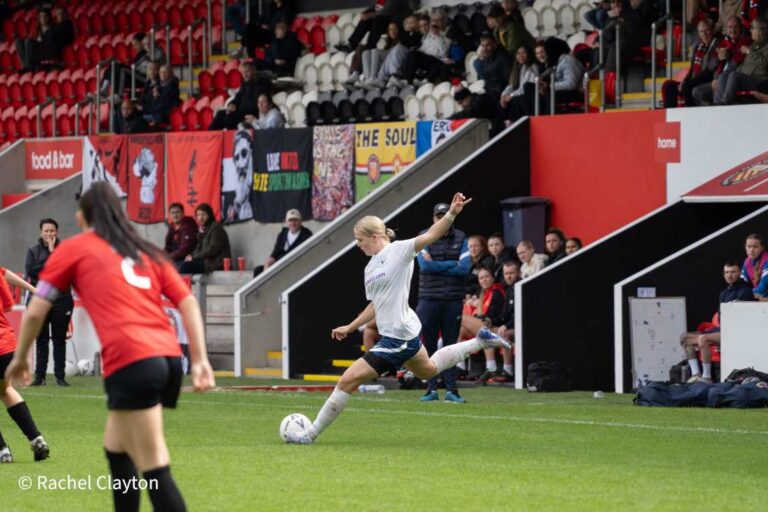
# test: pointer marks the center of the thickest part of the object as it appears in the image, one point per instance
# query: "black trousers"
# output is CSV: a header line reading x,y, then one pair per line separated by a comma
x,y
54,330
440,317
525,106
224,119
376,25
435,69
669,89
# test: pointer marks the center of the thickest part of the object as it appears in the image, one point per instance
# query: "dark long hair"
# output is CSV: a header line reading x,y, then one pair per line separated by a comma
x,y
102,211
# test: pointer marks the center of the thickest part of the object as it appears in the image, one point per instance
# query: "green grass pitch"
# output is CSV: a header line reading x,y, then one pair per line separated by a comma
x,y
504,450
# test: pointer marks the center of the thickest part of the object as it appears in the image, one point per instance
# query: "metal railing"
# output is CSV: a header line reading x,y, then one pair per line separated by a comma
x,y
209,24
78,106
585,84
191,47
549,72
40,107
99,66
224,28
654,29
617,85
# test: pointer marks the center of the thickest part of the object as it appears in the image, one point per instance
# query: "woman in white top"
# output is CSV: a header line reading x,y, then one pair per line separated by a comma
x,y
523,71
387,285
269,115
532,262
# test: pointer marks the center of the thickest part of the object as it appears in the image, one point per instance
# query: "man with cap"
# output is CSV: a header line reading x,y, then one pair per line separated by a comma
x,y
443,268
478,106
289,238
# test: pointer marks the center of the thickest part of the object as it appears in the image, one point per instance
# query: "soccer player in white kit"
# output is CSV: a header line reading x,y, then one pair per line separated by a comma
x,y
387,285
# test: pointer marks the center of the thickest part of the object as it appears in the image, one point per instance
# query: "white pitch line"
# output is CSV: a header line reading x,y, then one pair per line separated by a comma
x,y
520,419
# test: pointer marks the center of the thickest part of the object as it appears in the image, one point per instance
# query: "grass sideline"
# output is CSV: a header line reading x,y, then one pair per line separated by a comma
x,y
503,450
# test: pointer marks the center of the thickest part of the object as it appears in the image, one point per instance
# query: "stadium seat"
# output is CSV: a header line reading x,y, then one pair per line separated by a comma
x,y
279,98
569,24
549,22
531,20
205,118
303,36
428,107
538,5
575,39
192,120
293,98
218,102
412,110
311,78
188,104
332,35
176,120
469,66
234,79
298,115
326,80
424,90
362,110
219,81
205,83
581,10
317,40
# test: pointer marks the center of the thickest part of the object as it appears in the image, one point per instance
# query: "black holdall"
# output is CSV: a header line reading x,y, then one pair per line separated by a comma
x,y
545,376
680,373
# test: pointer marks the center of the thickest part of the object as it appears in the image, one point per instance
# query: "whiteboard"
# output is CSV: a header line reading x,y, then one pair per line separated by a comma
x,y
655,328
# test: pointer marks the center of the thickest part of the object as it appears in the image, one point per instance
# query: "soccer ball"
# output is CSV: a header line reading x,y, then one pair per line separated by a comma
x,y
70,369
293,423
85,367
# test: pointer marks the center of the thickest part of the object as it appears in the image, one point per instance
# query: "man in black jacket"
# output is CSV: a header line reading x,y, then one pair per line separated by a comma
x,y
554,241
283,52
374,21
57,322
130,120
289,238
443,268
245,101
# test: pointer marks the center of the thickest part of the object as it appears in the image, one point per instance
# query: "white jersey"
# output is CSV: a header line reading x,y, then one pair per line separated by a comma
x,y
387,285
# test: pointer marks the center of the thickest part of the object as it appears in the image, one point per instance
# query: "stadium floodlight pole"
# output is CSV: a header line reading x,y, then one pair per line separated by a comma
x,y
601,65
670,43
617,85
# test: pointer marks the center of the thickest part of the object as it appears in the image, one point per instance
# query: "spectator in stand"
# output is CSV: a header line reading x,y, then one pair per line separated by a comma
x,y
212,244
152,82
729,57
245,101
392,67
480,259
507,328
704,63
478,106
289,238
373,59
501,254
130,119
568,76
431,59
269,115
554,243
374,21
164,96
493,66
636,17
736,290
509,29
598,16
484,310
751,72
540,53
283,52
443,267
64,27
236,13
181,238
42,46
755,269
532,261
260,31
752,10
524,71
572,245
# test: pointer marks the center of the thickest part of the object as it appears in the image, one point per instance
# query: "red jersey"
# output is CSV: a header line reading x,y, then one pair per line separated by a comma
x,y
123,298
7,336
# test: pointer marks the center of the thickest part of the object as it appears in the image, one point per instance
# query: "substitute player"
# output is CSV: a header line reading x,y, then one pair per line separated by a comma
x,y
14,404
120,279
387,285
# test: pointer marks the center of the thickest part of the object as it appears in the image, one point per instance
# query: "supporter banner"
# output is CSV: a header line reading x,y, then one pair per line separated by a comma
x,y
745,182
237,176
52,159
333,153
432,133
194,170
105,158
145,179
382,151
282,176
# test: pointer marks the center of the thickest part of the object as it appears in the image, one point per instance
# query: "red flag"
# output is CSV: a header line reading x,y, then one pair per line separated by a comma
x,y
145,178
194,170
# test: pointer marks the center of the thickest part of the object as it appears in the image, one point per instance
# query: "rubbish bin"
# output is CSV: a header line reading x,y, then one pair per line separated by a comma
x,y
524,218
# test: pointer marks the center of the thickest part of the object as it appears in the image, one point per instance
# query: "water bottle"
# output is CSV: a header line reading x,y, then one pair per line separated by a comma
x,y
375,389
598,394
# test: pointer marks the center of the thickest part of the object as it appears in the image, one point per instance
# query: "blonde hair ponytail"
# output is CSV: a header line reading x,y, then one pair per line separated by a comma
x,y
371,225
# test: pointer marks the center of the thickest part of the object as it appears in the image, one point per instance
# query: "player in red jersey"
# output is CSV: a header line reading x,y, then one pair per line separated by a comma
x,y
121,279
14,403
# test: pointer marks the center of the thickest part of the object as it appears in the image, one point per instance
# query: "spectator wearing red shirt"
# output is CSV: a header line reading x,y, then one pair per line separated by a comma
x,y
14,403
729,55
121,280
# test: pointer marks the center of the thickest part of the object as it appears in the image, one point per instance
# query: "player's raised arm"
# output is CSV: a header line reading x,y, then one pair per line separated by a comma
x,y
441,227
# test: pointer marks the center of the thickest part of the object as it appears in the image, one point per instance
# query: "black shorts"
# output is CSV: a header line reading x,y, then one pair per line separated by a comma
x,y
144,384
5,360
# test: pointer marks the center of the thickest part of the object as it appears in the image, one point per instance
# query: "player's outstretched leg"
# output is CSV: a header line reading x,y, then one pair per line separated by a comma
x,y
449,356
19,413
5,451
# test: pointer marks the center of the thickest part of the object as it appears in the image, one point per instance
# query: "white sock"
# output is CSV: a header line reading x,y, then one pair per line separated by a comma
x,y
491,366
462,365
694,364
707,373
508,369
450,356
330,410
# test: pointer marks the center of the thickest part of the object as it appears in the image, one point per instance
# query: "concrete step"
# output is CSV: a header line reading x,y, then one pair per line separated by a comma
x,y
220,331
220,346
229,277
222,290
219,319
263,373
659,81
274,359
639,99
219,305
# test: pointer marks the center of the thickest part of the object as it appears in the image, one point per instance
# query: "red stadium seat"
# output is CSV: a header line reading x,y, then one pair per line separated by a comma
x,y
28,94
219,81
15,94
176,120
206,118
177,53
8,30
83,57
81,89
303,36
110,23
174,17
121,53
94,55
97,24
161,16
68,56
106,52
11,128
191,120
188,104
6,61
202,103
188,14
136,20
26,77
317,40
40,91
147,17
83,25
218,102
5,97
68,91
205,83
297,23
234,79
123,24
53,90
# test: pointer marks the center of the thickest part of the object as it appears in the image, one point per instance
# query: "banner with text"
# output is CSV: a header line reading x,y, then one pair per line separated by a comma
x,y
237,176
146,192
52,160
105,158
382,150
282,174
431,133
333,153
194,170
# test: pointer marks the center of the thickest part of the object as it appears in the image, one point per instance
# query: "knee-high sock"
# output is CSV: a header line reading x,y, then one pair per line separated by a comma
x,y
165,496
121,468
2,441
448,357
331,409
23,418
